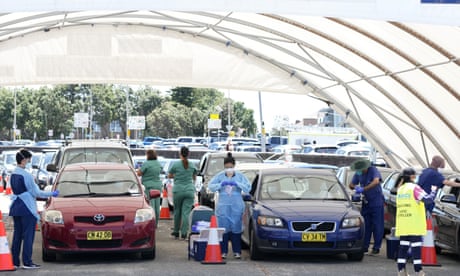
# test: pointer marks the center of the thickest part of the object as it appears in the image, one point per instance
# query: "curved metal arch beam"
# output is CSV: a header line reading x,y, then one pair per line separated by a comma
x,y
267,59
410,88
259,55
414,62
367,79
440,50
342,108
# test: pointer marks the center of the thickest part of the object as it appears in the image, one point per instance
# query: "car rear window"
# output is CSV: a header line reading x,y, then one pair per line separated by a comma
x,y
85,155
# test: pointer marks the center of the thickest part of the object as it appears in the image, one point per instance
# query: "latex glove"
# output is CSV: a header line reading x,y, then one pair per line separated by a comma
x,y
224,183
55,193
231,183
434,188
359,189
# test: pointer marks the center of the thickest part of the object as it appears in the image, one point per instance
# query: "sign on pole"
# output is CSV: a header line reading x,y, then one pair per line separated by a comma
x,y
80,120
214,123
136,122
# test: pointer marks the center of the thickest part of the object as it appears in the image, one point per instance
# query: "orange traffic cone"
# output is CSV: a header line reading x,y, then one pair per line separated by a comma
x,y
6,260
1,184
8,186
164,210
428,249
213,252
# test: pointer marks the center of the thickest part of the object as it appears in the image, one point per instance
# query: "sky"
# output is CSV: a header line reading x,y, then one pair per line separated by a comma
x,y
295,107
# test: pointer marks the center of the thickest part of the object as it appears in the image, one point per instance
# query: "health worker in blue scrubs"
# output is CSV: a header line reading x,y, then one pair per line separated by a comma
x,y
230,206
366,180
23,209
433,176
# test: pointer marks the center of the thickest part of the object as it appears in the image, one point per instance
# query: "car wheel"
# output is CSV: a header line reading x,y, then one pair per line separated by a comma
x,y
48,256
355,256
254,251
148,255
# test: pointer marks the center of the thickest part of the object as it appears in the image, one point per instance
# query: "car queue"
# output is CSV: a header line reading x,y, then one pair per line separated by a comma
x,y
333,224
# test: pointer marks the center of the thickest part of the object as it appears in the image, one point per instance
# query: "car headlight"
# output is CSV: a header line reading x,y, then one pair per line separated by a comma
x,y
53,216
351,222
270,221
143,215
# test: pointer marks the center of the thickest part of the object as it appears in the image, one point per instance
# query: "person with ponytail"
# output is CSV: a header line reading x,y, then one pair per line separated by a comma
x,y
184,173
410,220
230,206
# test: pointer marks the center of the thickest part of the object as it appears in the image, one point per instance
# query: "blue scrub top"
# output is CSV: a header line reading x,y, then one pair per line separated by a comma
x,y
374,197
230,205
25,192
428,177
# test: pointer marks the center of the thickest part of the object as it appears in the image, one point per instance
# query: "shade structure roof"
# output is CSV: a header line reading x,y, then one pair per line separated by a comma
x,y
396,81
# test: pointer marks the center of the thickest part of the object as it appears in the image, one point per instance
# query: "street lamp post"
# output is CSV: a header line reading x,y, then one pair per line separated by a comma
x,y
14,118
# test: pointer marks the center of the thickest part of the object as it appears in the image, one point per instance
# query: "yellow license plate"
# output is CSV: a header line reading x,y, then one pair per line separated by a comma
x,y
313,237
99,235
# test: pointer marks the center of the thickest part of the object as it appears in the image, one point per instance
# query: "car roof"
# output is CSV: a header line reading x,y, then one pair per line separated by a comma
x,y
258,166
296,171
235,154
97,166
95,143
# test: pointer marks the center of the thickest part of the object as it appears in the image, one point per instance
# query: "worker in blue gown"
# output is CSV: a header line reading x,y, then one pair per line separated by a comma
x,y
230,206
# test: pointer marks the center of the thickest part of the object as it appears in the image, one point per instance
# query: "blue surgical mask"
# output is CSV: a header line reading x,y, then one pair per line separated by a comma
x,y
359,172
229,170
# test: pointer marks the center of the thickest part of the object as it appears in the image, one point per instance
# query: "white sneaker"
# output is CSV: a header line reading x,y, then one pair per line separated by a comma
x,y
237,255
224,255
403,273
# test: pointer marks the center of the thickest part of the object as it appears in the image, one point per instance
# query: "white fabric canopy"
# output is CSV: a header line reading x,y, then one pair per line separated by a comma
x,y
394,75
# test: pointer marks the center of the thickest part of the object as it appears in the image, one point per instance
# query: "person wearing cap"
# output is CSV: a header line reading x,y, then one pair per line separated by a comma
x,y
366,180
432,176
24,211
230,206
410,220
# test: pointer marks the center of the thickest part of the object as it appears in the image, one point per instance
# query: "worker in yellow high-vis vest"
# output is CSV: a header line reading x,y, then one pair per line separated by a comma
x,y
411,219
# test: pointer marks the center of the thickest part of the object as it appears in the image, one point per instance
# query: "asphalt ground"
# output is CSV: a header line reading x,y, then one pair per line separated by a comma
x,y
172,259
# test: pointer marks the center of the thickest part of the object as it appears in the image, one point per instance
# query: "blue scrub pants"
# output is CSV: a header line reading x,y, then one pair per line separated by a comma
x,y
236,242
406,243
24,233
373,222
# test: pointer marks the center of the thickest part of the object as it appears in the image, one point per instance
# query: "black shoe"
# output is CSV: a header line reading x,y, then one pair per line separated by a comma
x,y
183,237
31,266
375,251
175,235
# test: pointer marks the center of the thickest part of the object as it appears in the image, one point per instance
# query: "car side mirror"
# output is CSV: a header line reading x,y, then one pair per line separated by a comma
x,y
34,167
51,168
449,198
154,193
394,191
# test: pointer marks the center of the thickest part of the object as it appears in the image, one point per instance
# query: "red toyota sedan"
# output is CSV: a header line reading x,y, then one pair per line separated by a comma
x,y
101,207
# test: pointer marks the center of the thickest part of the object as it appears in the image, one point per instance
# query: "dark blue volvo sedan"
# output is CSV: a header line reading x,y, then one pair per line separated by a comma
x,y
300,210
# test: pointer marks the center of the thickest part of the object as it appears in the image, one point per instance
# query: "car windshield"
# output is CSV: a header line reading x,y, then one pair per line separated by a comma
x,y
98,183
316,187
83,155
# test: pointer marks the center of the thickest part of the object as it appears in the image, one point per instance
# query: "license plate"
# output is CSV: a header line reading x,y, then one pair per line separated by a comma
x,y
99,235
313,237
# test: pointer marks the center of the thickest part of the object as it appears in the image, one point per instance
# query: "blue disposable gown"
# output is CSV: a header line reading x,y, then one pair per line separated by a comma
x,y
230,206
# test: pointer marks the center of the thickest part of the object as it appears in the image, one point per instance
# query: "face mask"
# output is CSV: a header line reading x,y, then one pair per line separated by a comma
x,y
359,172
229,170
440,170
